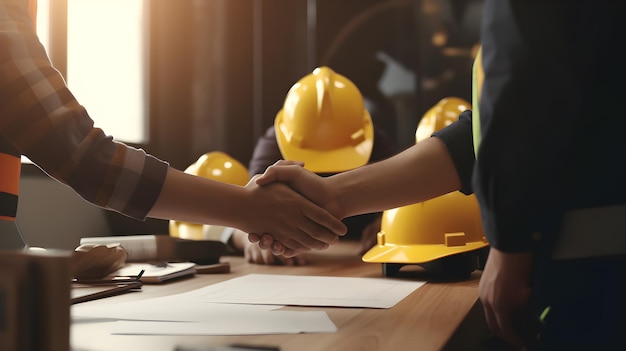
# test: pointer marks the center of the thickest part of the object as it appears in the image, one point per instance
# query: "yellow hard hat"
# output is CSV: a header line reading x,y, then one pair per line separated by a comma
x,y
218,166
444,113
429,230
325,124
442,230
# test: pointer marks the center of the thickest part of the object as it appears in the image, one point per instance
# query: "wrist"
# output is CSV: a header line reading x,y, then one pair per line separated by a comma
x,y
238,240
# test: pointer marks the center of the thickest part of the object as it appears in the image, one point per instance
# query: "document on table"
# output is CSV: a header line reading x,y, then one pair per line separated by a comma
x,y
248,323
174,308
246,305
179,315
308,291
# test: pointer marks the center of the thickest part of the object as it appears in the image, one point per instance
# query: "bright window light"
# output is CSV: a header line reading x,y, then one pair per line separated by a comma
x,y
43,22
105,62
106,65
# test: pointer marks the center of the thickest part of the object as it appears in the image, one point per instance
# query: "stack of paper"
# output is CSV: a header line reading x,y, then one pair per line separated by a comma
x,y
247,305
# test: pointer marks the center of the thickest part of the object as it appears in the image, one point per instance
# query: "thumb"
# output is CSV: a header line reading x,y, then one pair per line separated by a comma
x,y
276,172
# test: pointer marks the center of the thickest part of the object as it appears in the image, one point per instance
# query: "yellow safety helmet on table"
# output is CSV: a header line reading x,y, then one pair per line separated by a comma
x,y
218,166
325,124
444,235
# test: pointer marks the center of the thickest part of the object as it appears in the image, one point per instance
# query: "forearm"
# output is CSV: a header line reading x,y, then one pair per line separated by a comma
x,y
419,173
193,199
276,209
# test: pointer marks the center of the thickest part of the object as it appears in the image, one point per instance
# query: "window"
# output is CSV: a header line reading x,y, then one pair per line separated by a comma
x,y
105,60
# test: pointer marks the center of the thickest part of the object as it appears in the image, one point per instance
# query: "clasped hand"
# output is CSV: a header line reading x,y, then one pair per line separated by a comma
x,y
505,292
309,184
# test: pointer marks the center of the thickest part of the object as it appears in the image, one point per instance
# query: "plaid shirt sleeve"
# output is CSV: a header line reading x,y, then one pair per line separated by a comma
x,y
41,119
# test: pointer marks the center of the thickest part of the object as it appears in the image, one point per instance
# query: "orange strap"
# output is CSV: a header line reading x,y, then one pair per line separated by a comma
x,y
10,176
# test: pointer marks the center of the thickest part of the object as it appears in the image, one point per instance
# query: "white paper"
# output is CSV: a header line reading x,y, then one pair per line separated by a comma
x,y
182,315
245,305
308,291
169,308
232,323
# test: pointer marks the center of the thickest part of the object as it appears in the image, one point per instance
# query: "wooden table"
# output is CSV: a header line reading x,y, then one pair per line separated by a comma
x,y
437,316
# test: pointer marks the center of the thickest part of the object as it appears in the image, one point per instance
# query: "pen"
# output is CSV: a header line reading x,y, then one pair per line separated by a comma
x,y
116,289
231,347
243,347
112,280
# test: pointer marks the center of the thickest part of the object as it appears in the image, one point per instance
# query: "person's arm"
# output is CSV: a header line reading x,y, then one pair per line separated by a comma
x,y
419,173
430,168
460,144
276,209
266,152
41,119
504,290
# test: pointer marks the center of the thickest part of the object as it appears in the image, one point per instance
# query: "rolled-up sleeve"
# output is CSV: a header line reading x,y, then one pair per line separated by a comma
x,y
41,118
458,140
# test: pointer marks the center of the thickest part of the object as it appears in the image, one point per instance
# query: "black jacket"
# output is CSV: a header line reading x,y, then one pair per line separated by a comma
x,y
552,116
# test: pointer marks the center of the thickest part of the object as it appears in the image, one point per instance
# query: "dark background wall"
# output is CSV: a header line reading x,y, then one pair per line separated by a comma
x,y
220,69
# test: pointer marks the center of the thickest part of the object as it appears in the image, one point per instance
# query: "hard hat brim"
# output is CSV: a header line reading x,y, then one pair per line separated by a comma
x,y
416,253
328,161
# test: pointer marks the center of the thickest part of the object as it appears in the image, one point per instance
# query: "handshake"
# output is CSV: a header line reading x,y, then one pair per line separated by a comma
x,y
289,209
304,210
320,222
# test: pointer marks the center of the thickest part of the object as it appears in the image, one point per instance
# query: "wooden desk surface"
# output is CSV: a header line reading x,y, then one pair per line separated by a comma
x,y
425,320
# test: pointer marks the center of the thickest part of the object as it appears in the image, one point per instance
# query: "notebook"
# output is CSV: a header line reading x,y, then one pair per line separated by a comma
x,y
154,273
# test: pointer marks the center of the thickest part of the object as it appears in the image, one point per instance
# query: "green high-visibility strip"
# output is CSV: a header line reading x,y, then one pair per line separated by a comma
x,y
477,84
